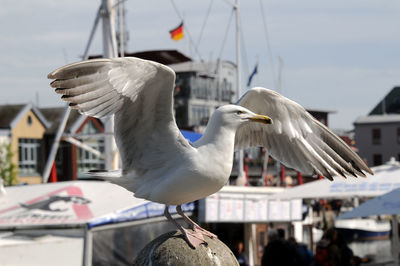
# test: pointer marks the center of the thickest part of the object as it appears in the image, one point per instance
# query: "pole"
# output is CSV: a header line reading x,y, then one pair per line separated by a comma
x,y
265,169
250,239
121,29
109,51
109,39
238,82
96,22
395,240
56,143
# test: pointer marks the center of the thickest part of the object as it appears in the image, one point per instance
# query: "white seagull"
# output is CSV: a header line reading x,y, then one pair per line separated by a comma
x,y
160,165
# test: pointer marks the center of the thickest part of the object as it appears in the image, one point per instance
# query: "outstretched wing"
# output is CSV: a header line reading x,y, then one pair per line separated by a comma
x,y
139,93
296,138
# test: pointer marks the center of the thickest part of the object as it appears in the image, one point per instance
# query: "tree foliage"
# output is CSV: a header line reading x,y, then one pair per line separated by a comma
x,y
8,170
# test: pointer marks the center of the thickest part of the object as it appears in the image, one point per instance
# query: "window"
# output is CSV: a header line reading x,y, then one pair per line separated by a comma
x,y
376,136
377,159
200,115
29,156
87,160
29,120
226,90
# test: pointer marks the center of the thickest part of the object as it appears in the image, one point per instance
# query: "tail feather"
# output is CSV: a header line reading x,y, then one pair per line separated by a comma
x,y
104,173
113,176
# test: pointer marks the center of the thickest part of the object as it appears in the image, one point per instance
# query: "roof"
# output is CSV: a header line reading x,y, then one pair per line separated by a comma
x,y
166,57
199,67
316,110
10,114
391,103
378,119
54,115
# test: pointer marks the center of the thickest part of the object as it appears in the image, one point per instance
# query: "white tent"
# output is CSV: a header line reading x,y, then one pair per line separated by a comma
x,y
385,179
388,203
75,223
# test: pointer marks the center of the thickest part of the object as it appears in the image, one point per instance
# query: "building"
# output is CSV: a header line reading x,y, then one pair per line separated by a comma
x,y
30,131
73,161
23,127
377,135
200,88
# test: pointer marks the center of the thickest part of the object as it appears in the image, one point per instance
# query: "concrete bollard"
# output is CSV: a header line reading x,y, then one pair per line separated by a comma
x,y
172,249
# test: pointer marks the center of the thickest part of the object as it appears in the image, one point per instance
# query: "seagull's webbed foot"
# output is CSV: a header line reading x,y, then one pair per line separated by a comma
x,y
196,227
193,238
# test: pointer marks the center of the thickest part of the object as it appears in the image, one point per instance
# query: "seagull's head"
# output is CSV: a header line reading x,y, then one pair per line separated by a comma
x,y
235,115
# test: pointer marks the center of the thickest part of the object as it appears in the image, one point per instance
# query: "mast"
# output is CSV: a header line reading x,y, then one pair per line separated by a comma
x,y
241,176
109,51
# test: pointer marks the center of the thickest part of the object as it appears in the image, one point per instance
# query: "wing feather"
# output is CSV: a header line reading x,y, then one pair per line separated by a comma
x,y
296,138
140,94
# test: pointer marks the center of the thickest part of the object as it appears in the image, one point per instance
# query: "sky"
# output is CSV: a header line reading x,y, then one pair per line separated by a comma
x,y
340,56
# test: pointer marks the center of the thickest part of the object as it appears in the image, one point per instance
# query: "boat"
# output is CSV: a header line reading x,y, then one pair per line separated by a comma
x,y
363,229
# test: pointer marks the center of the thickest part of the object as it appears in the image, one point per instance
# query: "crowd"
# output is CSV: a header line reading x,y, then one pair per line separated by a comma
x,y
331,250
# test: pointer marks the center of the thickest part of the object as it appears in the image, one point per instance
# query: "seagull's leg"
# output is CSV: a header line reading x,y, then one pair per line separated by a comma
x,y
194,239
196,227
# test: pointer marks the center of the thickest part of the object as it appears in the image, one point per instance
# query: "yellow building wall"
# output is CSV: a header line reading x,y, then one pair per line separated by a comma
x,y
24,130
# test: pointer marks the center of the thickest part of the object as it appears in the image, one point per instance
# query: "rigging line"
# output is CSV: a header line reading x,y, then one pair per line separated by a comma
x,y
204,23
226,35
229,3
187,30
268,43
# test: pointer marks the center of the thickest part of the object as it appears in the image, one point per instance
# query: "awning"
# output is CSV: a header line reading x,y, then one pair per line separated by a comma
x,y
385,179
386,204
75,203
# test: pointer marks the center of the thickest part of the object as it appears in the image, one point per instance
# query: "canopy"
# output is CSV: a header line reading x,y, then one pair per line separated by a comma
x,y
73,203
385,179
388,203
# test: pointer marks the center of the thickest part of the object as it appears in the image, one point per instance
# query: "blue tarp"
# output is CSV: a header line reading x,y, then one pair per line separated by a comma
x,y
191,136
147,210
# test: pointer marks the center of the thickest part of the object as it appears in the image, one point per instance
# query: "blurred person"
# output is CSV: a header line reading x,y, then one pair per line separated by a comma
x,y
346,253
328,253
278,251
240,255
305,255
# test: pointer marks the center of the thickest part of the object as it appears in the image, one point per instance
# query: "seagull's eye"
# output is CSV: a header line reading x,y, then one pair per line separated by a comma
x,y
239,112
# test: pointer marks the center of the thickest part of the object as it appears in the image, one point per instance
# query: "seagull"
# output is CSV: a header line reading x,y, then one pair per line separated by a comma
x,y
160,165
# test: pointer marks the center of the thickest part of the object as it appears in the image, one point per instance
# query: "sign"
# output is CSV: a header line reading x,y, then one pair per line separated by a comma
x,y
64,205
248,207
256,208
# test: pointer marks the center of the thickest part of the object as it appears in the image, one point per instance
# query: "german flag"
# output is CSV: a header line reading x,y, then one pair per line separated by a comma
x,y
177,33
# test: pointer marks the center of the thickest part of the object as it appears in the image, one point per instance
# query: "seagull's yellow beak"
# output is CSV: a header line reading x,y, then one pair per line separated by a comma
x,y
261,119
